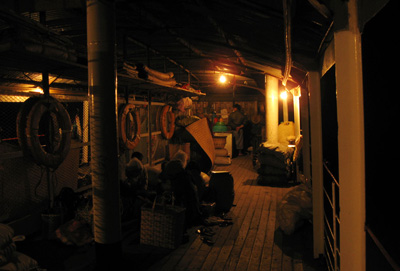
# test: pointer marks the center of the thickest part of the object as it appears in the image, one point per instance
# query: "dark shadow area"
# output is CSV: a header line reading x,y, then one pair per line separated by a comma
x,y
272,183
142,257
299,245
381,111
52,255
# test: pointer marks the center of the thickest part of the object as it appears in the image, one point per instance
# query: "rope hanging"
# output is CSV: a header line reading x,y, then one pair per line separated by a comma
x,y
288,40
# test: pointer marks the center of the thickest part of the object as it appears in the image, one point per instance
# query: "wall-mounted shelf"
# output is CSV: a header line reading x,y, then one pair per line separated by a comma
x,y
145,86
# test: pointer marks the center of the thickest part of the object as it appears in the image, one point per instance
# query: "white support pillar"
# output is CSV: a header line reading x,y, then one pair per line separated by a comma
x,y
272,110
350,115
85,136
285,108
296,110
305,123
316,158
102,83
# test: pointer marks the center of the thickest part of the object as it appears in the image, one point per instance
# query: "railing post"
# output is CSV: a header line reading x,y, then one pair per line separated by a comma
x,y
317,166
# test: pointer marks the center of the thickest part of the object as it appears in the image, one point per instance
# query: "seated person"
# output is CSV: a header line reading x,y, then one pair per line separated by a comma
x,y
134,189
194,169
182,157
138,155
152,172
153,177
184,191
136,176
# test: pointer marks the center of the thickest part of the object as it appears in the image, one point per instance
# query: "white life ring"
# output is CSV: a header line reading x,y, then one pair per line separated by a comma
x,y
129,132
57,140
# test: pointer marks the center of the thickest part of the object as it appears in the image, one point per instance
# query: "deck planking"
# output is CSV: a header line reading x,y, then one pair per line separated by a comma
x,y
254,241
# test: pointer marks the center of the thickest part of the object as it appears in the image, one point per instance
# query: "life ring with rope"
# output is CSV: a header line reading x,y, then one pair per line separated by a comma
x,y
21,123
167,122
48,116
129,131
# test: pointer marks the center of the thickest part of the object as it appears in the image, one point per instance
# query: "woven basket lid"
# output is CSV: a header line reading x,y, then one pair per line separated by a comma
x,y
202,134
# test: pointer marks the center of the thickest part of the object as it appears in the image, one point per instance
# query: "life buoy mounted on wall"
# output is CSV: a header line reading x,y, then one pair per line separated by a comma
x,y
167,122
44,115
129,126
21,123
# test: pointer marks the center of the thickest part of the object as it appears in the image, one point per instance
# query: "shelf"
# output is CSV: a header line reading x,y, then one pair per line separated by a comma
x,y
25,61
29,62
31,50
146,85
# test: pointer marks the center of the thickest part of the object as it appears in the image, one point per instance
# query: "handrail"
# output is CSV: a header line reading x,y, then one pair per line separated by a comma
x,y
384,252
330,173
332,228
381,248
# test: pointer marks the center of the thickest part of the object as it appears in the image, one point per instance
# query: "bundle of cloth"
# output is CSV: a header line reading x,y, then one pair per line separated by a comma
x,y
273,163
10,258
295,208
142,71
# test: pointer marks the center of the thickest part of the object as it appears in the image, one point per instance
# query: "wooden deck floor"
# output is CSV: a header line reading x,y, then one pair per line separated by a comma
x,y
253,242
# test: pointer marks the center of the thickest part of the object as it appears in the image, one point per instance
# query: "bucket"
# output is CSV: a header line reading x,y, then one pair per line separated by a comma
x,y
222,190
50,223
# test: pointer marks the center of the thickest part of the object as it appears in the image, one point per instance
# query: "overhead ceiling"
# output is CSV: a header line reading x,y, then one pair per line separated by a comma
x,y
194,39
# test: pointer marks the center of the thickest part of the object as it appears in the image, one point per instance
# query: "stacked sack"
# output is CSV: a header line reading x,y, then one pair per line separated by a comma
x,y
221,154
274,164
295,208
10,258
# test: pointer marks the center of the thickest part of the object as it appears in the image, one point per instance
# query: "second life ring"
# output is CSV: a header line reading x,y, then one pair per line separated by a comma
x,y
129,126
167,122
48,116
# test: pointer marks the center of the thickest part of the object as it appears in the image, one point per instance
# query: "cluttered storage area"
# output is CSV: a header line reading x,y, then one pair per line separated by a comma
x,y
167,132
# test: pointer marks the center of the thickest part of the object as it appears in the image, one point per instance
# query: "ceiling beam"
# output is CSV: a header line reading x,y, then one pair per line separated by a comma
x,y
161,24
221,32
137,42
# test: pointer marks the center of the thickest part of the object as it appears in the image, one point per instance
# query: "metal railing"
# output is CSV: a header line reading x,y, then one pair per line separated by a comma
x,y
332,225
331,220
382,249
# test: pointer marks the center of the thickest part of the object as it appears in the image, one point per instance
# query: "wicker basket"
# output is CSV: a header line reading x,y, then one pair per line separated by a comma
x,y
162,225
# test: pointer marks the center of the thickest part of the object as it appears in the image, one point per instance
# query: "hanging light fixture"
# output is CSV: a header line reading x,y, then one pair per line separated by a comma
x,y
37,90
283,95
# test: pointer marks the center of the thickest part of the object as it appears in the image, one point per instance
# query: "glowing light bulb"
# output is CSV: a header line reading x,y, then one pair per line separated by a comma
x,y
283,95
222,79
38,90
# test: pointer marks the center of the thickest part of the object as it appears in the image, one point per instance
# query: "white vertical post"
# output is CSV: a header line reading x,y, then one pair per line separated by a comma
x,y
102,83
350,113
296,111
305,122
317,166
272,108
85,137
285,109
